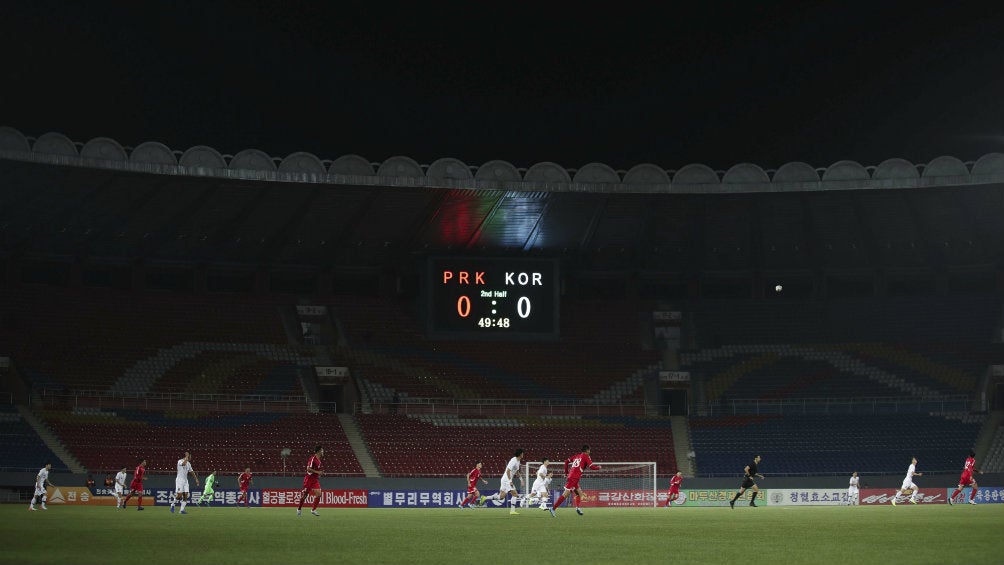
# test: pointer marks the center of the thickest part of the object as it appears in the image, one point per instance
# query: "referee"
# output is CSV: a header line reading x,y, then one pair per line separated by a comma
x,y
751,471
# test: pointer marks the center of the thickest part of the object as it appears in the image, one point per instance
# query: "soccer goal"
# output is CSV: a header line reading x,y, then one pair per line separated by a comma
x,y
617,483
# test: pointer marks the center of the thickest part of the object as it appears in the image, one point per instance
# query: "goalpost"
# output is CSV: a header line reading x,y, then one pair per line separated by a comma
x,y
615,483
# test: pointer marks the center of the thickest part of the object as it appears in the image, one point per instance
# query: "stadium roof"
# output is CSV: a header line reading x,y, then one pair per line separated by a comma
x,y
447,172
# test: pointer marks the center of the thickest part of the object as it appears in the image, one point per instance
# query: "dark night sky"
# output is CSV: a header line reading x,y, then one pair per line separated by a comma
x,y
718,84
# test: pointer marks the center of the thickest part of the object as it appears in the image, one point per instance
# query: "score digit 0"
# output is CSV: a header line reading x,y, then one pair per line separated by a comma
x,y
523,307
464,306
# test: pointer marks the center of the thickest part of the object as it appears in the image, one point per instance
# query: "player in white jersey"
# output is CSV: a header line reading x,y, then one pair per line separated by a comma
x,y
119,486
541,485
506,486
853,491
181,489
40,479
908,483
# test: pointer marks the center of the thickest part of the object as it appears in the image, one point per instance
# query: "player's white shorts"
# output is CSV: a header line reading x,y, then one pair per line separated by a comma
x,y
907,483
506,485
118,488
539,488
181,485
39,491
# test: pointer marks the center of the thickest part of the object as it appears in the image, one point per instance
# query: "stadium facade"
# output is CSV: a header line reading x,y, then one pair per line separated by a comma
x,y
891,309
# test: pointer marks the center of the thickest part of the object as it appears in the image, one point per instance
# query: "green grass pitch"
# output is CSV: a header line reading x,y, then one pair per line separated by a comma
x,y
914,535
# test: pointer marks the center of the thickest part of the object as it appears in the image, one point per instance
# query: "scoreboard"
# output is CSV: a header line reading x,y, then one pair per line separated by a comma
x,y
492,297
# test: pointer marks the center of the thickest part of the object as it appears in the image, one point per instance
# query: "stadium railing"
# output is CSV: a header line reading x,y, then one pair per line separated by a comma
x,y
510,407
14,495
867,405
178,401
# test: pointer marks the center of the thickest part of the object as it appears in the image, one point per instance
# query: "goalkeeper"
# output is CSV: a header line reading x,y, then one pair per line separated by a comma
x,y
207,492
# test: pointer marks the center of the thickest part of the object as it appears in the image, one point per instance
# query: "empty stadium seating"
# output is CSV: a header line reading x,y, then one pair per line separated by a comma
x,y
20,447
850,370
968,318
447,445
599,356
107,440
101,340
833,443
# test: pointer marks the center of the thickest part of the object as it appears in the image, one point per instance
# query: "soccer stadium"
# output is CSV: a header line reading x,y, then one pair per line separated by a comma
x,y
487,283
416,319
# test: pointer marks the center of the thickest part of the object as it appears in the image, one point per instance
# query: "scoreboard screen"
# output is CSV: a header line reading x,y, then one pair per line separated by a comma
x,y
492,298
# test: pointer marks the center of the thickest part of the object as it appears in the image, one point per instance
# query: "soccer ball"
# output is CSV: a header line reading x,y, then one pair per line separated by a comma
x,y
778,288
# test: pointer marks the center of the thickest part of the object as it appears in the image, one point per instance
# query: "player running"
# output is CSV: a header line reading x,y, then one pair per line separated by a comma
x,y
574,467
472,485
119,486
541,489
967,480
506,487
911,472
40,479
674,488
181,490
748,482
853,490
136,486
207,491
244,480
311,481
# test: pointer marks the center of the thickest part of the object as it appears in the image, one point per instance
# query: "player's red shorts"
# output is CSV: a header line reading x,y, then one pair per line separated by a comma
x,y
311,482
472,489
966,480
572,484
674,490
244,489
136,486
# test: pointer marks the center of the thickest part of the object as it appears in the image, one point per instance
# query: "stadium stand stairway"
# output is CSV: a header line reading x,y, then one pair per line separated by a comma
x,y
50,440
682,446
358,444
990,446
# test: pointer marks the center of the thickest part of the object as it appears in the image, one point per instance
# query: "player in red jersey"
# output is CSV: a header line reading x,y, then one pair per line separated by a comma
x,y
967,480
574,467
472,485
674,487
136,486
244,480
311,482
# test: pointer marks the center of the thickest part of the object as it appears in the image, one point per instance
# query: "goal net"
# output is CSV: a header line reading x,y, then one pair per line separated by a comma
x,y
618,483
